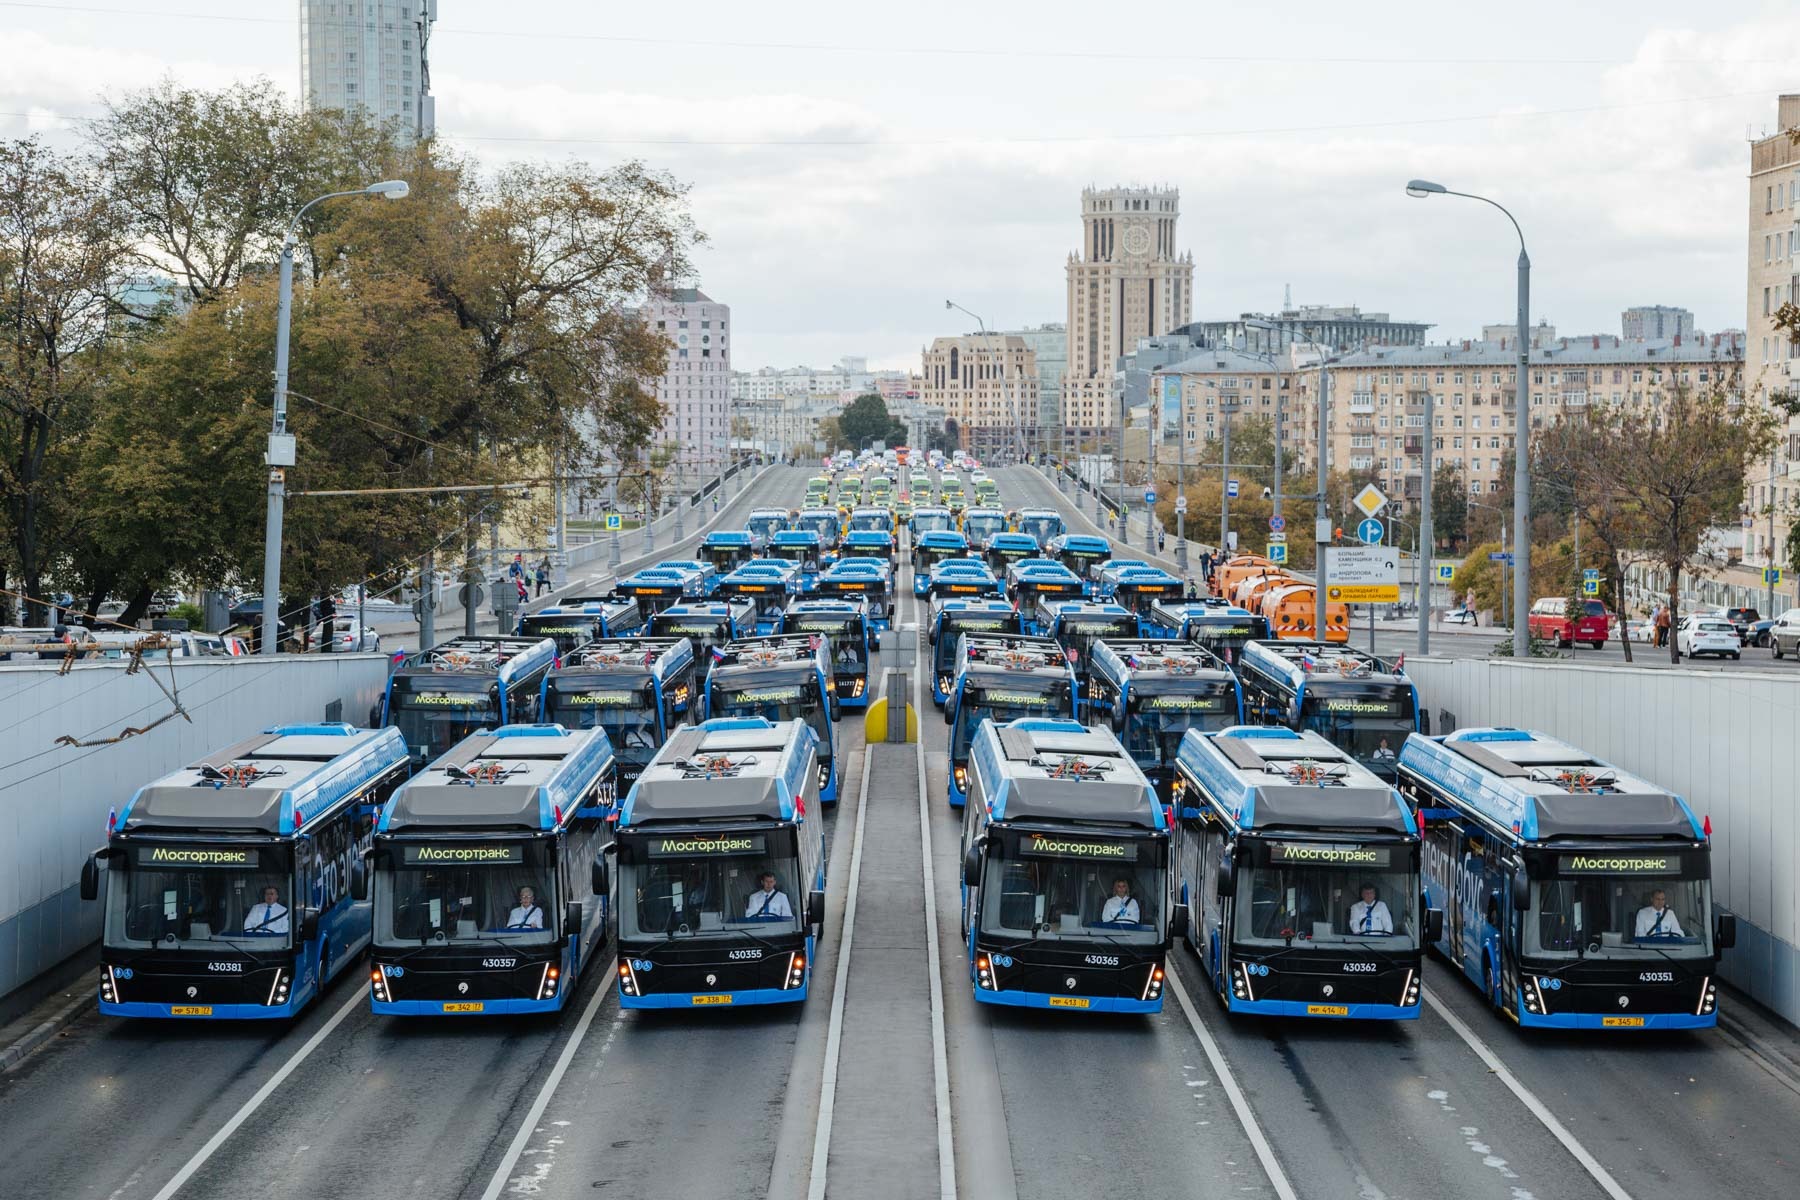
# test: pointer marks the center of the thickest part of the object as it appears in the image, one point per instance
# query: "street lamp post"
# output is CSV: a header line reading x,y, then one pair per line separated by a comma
x,y
1419,189
280,454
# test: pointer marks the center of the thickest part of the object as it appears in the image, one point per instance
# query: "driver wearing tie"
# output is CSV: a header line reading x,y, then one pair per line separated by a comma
x,y
766,903
1370,916
268,917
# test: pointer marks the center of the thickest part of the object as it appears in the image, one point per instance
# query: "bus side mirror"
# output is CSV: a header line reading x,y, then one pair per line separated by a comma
x,y
1724,931
90,878
972,865
1434,924
359,881
837,709
949,715
1227,878
1521,891
572,920
815,909
597,882
1424,716
1178,921
309,925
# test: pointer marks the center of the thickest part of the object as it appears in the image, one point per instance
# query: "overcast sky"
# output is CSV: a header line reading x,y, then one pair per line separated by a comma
x,y
854,165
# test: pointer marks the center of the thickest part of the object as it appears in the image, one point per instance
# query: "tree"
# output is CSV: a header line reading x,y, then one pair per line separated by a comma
x,y
1449,506
865,420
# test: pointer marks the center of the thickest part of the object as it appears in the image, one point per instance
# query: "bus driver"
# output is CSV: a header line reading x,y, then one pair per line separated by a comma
x,y
526,914
765,902
269,916
1120,908
1369,915
1657,919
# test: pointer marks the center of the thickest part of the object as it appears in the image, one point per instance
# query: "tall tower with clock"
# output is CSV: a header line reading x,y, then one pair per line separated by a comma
x,y
1128,282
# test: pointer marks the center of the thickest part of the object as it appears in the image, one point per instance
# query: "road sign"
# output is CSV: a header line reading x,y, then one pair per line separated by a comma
x,y
1364,575
1370,531
1772,575
462,595
1497,556
1278,537
1590,587
1278,553
1277,523
1149,495
1231,488
1181,504
1590,573
615,521
1370,500
1445,572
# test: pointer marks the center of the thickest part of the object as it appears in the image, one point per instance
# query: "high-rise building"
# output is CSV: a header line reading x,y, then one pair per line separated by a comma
x,y
1128,282
987,383
1050,343
1655,322
369,55
695,390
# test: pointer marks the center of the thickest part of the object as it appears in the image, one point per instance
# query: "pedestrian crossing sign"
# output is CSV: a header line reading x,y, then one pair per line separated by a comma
x,y
615,521
1590,587
1446,572
1772,576
1278,553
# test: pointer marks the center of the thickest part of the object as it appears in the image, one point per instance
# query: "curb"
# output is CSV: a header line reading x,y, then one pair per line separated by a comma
x,y
59,1020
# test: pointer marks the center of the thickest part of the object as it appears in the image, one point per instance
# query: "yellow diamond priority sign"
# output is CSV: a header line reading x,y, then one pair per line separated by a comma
x,y
1370,500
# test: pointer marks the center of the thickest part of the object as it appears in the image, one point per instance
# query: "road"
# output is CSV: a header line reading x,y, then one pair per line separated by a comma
x,y
891,1081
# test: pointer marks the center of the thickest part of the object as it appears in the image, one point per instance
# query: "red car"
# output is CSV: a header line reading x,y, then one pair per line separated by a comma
x,y
1549,620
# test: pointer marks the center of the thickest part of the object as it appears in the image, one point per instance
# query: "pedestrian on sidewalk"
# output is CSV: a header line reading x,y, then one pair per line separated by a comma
x,y
543,575
1161,539
1662,625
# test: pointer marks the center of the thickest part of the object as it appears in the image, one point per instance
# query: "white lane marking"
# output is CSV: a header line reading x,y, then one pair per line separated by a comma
x,y
1536,1107
834,1034
1258,1141
529,1125
940,1051
359,996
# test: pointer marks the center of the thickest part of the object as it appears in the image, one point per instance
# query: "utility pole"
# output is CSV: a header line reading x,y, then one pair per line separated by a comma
x,y
1226,410
1422,559
1321,519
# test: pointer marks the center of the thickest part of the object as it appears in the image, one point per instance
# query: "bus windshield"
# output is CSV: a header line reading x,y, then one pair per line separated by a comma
x,y
709,884
978,529
1053,887
1225,636
1003,702
928,522
943,653
628,714
727,558
201,894
777,701
806,556
1371,726
566,631
872,522
1078,633
766,527
459,892
1154,723
1620,905
433,717
822,524
1316,893
1041,528
849,649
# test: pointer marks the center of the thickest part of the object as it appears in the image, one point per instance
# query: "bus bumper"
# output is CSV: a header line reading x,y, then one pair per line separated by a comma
x,y
921,586
1108,1004
214,1012
447,1008
828,791
1314,1009
1595,1020
749,996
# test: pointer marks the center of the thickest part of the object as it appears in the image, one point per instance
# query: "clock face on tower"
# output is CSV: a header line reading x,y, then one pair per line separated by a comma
x,y
1137,241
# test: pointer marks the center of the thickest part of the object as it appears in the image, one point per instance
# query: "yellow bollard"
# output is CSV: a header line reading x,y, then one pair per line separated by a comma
x,y
875,723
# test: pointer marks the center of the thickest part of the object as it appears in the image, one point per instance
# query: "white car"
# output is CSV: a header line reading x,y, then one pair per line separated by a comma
x,y
1459,616
1707,634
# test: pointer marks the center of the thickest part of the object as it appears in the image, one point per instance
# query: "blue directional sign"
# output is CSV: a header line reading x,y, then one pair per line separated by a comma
x,y
1231,488
1149,496
1370,531
1497,556
1277,523
1446,572
615,521
1590,573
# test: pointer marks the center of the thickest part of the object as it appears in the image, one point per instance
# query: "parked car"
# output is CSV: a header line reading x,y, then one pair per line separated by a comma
x,y
1549,620
1759,631
1741,620
1460,616
348,635
1784,634
1704,633
1641,631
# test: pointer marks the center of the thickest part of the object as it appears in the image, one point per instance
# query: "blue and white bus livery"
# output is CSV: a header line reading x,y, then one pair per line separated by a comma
x,y
229,883
1137,588
1041,523
931,518
578,619
1211,623
1081,553
988,618
655,588
1001,679
869,543
721,869
1002,550
1076,627
486,896
1577,896
438,697
1038,589
764,524
705,623
929,549
1302,870
727,549
1067,901
844,625
767,584
1362,703
961,579
1153,692
865,579
637,689
803,548
782,678
982,522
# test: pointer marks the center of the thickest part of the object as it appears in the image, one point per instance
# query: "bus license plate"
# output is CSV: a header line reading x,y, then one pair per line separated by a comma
x,y
190,1010
1068,1002
1621,1022
1328,1010
463,1006
725,999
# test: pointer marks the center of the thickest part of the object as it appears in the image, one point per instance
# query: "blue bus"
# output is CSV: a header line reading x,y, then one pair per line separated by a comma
x,y
228,883
825,523
1153,692
1138,588
1000,679
931,548
1076,627
961,579
764,524
700,579
487,900
1577,896
1041,523
1362,703
844,627
865,579
1066,896
952,619
802,547
1212,623
725,550
869,520
783,678
655,588
721,869
637,689
1081,553
1302,868
438,697
931,518
981,523
1002,550
766,584
579,619
705,623
1039,588
869,543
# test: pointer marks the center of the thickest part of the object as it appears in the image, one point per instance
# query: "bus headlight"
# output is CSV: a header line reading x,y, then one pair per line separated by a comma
x,y
856,687
278,991
378,983
1709,998
1534,997
824,774
962,779
1409,990
109,987
943,685
984,972
1153,984
796,973
627,978
1240,982
547,984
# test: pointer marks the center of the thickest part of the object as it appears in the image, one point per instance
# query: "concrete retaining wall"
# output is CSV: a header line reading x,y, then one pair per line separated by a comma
x,y
54,799
1724,740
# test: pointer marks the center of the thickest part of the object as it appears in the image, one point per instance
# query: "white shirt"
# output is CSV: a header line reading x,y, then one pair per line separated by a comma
x,y
266,918
525,916
1380,920
1119,908
777,904
1647,926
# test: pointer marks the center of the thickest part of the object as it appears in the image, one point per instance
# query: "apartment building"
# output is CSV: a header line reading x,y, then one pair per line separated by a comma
x,y
695,390
988,384
370,55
